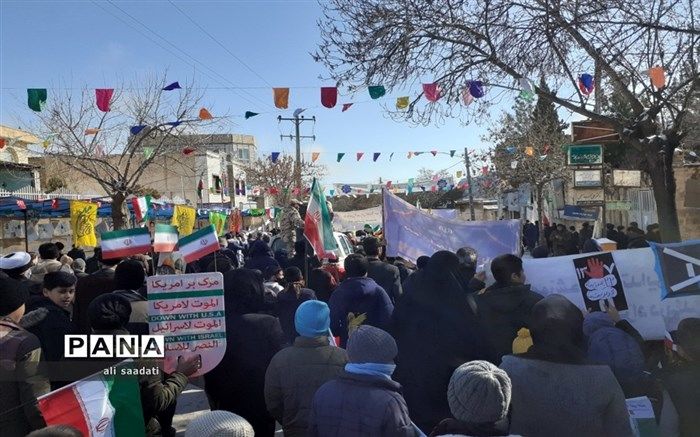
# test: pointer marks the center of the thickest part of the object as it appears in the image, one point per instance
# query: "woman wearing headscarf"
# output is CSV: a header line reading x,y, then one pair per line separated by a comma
x,y
289,299
436,332
322,283
555,392
261,257
237,384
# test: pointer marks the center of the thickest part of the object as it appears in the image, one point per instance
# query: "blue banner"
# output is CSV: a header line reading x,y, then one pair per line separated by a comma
x,y
447,214
574,212
410,233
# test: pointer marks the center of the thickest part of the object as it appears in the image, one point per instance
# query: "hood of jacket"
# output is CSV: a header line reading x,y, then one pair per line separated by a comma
x,y
595,321
505,299
260,248
130,295
359,287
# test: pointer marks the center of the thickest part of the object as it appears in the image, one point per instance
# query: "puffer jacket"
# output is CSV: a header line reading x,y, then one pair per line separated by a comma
x,y
294,376
502,311
610,345
365,299
360,405
21,380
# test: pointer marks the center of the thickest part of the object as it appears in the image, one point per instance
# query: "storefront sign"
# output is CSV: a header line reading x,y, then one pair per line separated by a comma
x,y
585,154
588,196
587,178
618,205
627,178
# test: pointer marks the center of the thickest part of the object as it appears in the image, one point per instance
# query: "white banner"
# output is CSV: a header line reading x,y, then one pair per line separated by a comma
x,y
646,311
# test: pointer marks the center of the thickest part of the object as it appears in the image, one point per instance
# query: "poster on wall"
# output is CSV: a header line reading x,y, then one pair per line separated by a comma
x,y
600,283
45,231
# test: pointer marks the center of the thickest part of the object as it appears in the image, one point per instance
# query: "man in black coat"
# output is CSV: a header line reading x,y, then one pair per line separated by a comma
x,y
387,276
91,286
505,306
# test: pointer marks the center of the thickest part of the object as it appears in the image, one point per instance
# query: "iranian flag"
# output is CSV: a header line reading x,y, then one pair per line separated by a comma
x,y
142,206
165,238
318,229
127,242
98,406
198,244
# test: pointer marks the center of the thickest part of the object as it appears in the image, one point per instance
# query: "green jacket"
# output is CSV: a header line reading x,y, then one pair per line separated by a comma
x,y
21,380
294,375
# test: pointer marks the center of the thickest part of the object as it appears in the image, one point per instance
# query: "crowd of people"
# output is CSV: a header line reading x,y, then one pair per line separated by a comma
x,y
558,240
372,347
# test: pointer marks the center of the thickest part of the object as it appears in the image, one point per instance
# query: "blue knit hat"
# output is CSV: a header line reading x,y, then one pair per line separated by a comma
x,y
312,319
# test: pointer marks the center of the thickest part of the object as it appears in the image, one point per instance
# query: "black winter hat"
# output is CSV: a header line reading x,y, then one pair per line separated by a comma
x,y
12,295
108,312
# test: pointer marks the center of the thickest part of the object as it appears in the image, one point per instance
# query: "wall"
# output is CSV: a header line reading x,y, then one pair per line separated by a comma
x,y
688,218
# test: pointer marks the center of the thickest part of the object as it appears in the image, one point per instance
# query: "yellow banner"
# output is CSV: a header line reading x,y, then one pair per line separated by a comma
x,y
83,219
184,218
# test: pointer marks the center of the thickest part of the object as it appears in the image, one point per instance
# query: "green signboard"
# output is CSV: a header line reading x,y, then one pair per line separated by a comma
x,y
589,154
618,205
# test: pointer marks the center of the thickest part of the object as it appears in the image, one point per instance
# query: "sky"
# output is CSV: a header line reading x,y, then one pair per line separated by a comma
x,y
98,44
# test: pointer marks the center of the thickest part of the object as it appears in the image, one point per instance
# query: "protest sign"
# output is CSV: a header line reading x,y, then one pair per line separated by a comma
x,y
447,214
355,220
411,232
678,268
600,282
646,311
189,311
642,417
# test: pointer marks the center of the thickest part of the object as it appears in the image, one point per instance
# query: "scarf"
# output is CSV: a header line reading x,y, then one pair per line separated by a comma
x,y
374,369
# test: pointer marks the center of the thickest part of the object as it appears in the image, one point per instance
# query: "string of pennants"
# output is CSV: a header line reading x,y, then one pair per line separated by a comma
x,y
473,89
274,156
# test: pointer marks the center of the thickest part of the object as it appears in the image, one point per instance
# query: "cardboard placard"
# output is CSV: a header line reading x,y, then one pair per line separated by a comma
x,y
189,311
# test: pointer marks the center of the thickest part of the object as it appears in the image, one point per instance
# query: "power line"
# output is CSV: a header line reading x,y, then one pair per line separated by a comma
x,y
192,58
219,43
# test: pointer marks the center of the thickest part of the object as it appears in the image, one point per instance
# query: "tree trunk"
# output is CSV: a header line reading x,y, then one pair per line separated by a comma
x,y
664,185
538,199
119,219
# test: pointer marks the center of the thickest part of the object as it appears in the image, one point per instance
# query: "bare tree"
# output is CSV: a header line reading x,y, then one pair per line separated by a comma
x,y
99,145
399,43
528,148
278,179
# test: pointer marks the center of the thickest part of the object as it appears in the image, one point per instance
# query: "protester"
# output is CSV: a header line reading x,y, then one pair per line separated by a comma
x,y
506,305
109,314
571,245
479,396
91,286
422,262
540,252
363,400
404,269
560,238
681,384
300,259
358,300
610,345
17,265
78,267
322,283
237,383
129,277
295,373
48,262
92,264
653,233
590,246
623,239
611,233
549,397
274,277
291,220
22,380
335,269
58,295
261,257
530,235
384,274
219,424
425,324
585,234
288,300
77,253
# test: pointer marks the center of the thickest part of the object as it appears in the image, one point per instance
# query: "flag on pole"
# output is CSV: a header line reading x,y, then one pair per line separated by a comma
x,y
318,229
165,238
127,242
183,219
218,220
198,244
99,405
83,219
142,207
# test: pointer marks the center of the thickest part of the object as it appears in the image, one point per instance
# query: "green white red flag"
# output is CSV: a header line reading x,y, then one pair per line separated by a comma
x,y
142,207
165,238
318,228
97,406
127,242
198,244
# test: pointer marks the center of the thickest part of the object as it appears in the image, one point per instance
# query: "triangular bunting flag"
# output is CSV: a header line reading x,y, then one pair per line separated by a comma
x,y
340,156
376,156
360,155
434,152
314,156
586,84
431,92
91,131
249,114
274,156
36,98
476,89
452,153
467,98
402,102
135,130
410,155
391,155
346,106
172,86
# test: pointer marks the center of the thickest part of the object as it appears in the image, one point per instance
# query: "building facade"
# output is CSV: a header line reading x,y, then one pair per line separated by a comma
x,y
16,173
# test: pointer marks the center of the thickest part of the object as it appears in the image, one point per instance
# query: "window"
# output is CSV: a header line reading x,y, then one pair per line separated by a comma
x,y
244,154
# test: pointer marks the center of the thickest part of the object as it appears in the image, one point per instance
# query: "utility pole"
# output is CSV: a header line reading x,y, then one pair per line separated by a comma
x,y
469,184
297,120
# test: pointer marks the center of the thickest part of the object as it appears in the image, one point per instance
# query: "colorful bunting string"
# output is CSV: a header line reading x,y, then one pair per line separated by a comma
x,y
431,92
